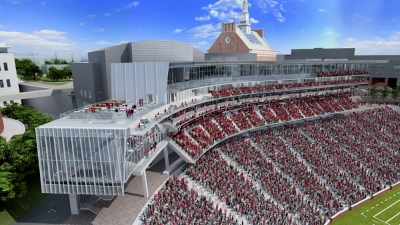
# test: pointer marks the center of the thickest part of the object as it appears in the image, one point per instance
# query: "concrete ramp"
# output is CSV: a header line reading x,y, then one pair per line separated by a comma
x,y
27,95
180,152
170,127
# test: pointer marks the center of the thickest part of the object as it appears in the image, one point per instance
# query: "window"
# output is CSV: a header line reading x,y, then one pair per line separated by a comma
x,y
11,102
100,95
5,66
4,103
377,67
397,67
1,84
8,83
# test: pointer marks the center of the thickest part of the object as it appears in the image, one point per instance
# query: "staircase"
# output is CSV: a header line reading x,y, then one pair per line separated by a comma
x,y
171,127
89,207
178,149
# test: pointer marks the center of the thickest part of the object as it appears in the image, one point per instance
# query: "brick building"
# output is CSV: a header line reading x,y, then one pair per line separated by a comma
x,y
236,39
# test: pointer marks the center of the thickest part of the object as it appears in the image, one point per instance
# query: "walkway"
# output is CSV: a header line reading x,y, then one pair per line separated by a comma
x,y
54,209
11,128
70,85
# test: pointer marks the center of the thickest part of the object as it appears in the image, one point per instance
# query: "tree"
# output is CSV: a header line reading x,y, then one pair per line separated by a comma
x,y
373,92
35,71
54,74
395,93
47,62
384,93
67,72
18,157
28,69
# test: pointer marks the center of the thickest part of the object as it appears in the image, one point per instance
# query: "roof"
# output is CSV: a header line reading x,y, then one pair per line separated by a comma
x,y
253,41
3,45
286,62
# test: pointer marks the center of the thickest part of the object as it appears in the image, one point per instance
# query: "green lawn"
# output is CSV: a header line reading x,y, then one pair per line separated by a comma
x,y
382,210
15,208
45,80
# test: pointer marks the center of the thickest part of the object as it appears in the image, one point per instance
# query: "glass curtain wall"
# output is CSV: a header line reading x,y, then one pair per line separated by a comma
x,y
82,161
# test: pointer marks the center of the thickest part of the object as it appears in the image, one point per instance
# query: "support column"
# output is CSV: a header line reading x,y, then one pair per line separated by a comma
x,y
74,204
144,182
166,158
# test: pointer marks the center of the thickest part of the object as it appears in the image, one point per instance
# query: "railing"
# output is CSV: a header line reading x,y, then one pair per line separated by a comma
x,y
108,116
180,86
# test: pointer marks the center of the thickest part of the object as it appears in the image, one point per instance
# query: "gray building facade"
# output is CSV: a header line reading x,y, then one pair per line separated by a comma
x,y
94,77
380,74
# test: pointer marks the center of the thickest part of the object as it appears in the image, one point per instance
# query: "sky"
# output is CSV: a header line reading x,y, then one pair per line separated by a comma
x,y
372,27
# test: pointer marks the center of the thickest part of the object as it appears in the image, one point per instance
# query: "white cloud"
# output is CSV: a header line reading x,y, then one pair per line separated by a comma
x,y
329,31
44,40
82,23
321,10
378,45
205,31
252,20
202,18
98,30
279,16
202,43
51,34
177,31
224,5
357,17
107,14
131,5
91,16
274,7
2,26
103,43
43,3
225,16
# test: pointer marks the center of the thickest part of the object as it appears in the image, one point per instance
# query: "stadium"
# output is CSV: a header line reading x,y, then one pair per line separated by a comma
x,y
243,138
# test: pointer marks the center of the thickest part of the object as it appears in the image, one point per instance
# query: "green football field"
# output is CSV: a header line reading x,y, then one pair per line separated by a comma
x,y
382,210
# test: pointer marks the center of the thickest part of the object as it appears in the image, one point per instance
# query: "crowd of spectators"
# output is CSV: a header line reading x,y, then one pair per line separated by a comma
x,y
176,204
212,128
236,191
273,181
273,111
341,73
188,145
296,174
240,120
257,89
200,136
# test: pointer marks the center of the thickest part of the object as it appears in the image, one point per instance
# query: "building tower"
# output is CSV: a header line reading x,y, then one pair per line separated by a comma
x,y
238,42
244,24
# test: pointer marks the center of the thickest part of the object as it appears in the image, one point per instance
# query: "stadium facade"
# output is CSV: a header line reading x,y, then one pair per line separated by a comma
x,y
97,148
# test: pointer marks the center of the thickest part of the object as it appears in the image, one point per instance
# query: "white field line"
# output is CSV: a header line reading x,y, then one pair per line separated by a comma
x,y
386,208
381,220
392,217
